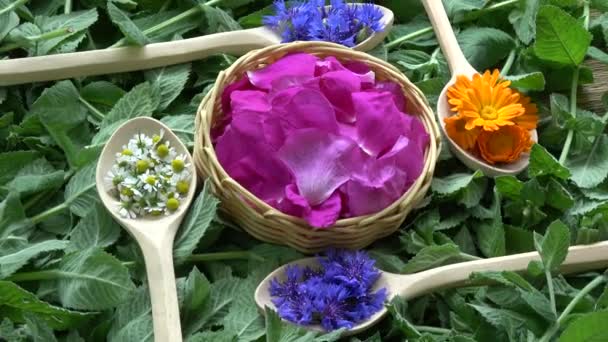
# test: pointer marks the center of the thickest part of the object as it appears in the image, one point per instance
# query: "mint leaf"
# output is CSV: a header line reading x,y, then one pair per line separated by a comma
x,y
491,238
12,217
589,327
453,183
558,197
553,247
182,126
523,20
12,162
398,311
215,336
132,33
531,81
168,82
93,280
509,186
37,176
132,320
74,23
80,192
96,229
591,168
560,38
218,20
484,46
14,260
277,331
243,317
432,256
560,110
17,300
39,330
102,93
195,225
597,54
542,163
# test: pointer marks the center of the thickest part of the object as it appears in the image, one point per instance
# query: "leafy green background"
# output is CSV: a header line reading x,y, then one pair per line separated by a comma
x,y
68,272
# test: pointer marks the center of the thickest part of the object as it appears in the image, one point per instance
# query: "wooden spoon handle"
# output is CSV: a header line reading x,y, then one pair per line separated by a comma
x,y
445,35
163,291
107,61
580,258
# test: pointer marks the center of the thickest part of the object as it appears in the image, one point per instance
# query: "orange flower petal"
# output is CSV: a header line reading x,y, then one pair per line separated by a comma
x,y
504,145
456,130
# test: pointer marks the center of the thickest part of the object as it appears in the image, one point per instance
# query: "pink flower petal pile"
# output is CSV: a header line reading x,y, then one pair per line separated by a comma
x,y
319,139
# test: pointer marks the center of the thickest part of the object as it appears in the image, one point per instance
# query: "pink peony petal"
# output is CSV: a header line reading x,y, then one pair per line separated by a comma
x,y
241,84
317,161
304,108
249,101
407,156
320,216
376,191
395,90
297,66
337,87
379,122
359,69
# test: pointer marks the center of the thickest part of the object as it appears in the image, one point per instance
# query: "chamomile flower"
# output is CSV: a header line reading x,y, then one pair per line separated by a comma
x,y
148,177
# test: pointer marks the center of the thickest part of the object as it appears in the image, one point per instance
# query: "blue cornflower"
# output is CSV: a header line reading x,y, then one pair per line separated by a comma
x,y
354,270
343,23
336,295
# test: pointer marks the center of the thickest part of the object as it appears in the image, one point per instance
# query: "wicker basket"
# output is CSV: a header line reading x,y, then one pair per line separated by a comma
x,y
270,225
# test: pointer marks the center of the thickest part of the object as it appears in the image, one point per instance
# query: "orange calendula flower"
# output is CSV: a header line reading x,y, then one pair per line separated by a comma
x,y
504,145
529,119
465,138
486,101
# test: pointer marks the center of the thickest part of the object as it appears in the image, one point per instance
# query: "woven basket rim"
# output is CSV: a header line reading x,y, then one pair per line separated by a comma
x,y
322,49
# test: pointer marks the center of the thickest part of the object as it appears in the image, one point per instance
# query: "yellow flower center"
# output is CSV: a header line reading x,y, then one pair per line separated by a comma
x,y
178,165
182,187
141,166
127,152
151,180
162,150
172,203
488,113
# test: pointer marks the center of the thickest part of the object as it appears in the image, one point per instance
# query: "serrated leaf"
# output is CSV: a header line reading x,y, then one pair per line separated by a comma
x,y
483,47
96,229
451,184
523,20
532,81
560,38
9,332
509,186
132,33
215,336
37,176
542,163
74,22
398,311
491,238
135,103
168,82
196,293
102,92
12,217
558,197
39,330
196,223
8,21
93,280
182,126
590,169
589,327
278,331
243,318
133,319
80,193
13,261
432,256
11,162
218,20
60,112
21,301
553,247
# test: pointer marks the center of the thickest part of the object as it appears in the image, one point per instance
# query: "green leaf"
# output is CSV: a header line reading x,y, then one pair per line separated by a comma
x,y
93,280
398,311
133,319
12,217
137,102
216,307
484,46
542,163
532,81
20,301
219,21
60,113
504,319
491,238
277,331
12,162
243,317
509,186
553,247
196,293
9,332
432,256
8,21
560,38
597,54
96,229
168,82
39,330
36,176
132,33
453,183
182,126
215,336
523,20
558,197
589,327
591,168
195,225
14,260
75,22
80,193
102,92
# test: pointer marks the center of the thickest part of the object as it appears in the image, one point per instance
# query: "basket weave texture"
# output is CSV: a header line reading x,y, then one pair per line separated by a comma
x,y
267,223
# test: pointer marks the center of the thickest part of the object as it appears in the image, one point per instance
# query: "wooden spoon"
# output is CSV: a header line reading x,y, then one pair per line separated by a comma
x,y
123,59
153,234
580,258
460,66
